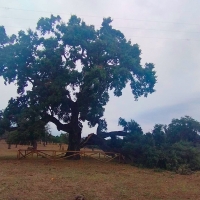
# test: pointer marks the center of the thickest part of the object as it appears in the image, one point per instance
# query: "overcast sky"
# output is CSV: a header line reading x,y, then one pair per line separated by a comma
x,y
168,33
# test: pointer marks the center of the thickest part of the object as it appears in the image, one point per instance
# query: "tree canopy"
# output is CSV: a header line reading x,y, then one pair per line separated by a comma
x,y
64,73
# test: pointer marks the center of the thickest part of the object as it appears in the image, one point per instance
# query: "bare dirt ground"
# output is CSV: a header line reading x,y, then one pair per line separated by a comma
x,y
41,179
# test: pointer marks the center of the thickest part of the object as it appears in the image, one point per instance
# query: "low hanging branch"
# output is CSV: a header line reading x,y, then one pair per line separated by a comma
x,y
93,139
99,140
112,134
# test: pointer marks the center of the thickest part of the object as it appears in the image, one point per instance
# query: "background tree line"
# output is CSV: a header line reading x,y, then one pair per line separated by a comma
x,y
39,134
173,147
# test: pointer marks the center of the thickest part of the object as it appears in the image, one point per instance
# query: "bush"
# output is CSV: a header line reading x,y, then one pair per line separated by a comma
x,y
182,157
184,154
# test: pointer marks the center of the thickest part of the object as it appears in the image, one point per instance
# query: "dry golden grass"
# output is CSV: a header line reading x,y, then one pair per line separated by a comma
x,y
41,179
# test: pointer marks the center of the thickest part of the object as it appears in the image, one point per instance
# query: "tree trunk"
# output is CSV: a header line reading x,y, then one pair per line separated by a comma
x,y
74,128
74,134
34,144
74,145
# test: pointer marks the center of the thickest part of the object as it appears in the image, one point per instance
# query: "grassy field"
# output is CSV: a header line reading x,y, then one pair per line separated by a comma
x,y
42,179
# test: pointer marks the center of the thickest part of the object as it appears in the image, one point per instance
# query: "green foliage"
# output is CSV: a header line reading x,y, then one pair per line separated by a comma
x,y
174,147
4,123
115,143
130,127
159,135
14,138
185,129
54,139
64,138
28,133
184,154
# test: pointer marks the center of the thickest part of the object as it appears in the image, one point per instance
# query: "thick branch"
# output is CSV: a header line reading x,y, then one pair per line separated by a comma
x,y
112,134
93,139
64,127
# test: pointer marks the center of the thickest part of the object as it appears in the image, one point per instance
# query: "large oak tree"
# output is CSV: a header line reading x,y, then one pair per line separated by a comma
x,y
64,73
